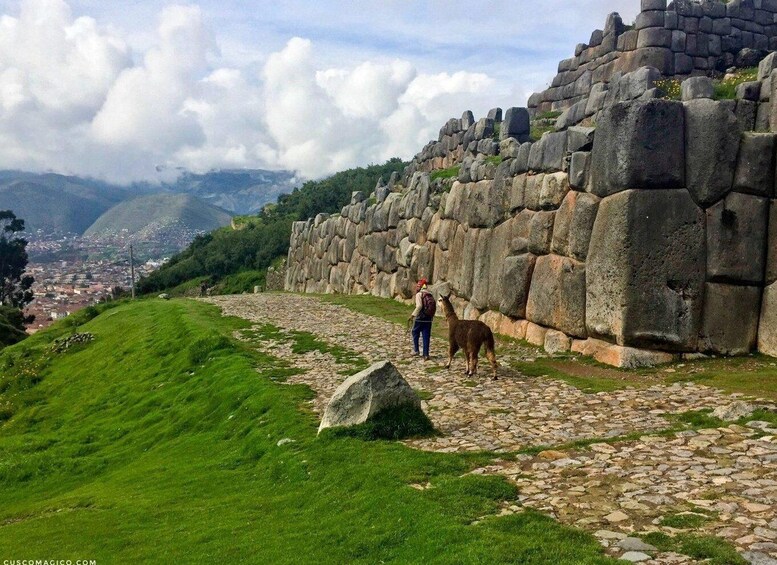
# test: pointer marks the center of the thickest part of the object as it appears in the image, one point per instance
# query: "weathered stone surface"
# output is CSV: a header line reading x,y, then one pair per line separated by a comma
x,y
580,138
557,295
531,192
638,144
481,269
697,87
547,154
516,279
579,170
730,321
771,244
515,124
736,236
557,342
535,334
367,393
573,225
554,187
711,144
541,232
646,269
631,357
767,326
755,165
734,411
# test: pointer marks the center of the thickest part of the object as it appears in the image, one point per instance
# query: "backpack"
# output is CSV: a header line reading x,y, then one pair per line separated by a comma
x,y
428,305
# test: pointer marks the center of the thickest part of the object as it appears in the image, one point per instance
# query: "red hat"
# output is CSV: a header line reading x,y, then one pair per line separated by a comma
x,y
422,282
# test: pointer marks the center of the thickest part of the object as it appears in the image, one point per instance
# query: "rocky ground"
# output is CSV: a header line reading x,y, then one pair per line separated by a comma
x,y
720,481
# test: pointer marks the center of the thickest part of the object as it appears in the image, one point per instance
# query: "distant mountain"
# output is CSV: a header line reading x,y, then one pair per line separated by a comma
x,y
237,191
146,217
57,203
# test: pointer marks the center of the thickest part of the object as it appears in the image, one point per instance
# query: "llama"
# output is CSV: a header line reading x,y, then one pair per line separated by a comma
x,y
468,335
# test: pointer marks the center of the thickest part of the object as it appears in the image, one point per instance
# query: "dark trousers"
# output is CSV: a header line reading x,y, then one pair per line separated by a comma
x,y
422,328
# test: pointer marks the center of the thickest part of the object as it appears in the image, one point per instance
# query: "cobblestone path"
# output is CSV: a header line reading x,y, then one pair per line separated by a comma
x,y
722,480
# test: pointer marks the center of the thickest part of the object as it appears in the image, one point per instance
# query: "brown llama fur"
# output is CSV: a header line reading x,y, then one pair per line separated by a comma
x,y
469,336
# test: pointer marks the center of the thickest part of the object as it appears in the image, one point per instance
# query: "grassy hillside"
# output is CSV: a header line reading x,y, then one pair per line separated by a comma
x,y
265,236
157,211
160,441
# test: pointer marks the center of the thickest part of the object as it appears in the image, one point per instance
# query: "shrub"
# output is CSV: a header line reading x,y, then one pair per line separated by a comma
x,y
670,87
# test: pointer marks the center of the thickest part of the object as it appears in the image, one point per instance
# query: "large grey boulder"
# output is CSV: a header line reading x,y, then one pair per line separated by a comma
x,y
646,270
638,144
730,321
557,295
712,135
366,394
736,236
755,165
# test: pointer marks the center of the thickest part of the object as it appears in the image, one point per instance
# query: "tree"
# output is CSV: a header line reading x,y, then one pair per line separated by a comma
x,y
15,286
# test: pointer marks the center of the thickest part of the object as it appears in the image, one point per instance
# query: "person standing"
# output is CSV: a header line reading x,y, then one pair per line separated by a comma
x,y
422,317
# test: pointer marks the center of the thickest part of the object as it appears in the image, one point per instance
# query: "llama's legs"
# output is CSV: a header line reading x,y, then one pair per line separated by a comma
x,y
491,355
452,349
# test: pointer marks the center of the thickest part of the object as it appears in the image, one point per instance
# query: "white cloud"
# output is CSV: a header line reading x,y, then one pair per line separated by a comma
x,y
74,98
325,120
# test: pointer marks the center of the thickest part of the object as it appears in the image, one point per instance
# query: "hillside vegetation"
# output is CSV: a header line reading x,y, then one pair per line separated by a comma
x,y
166,440
158,211
266,236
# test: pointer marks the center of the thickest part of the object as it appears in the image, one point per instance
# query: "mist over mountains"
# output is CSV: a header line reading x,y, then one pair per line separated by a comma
x,y
58,204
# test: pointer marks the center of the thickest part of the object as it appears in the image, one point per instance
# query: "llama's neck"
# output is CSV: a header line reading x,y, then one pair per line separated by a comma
x,y
450,313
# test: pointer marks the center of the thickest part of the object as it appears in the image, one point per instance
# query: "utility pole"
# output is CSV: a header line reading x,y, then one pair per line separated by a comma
x,y
132,271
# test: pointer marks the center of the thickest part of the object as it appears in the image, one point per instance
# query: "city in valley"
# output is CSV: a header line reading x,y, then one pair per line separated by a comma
x,y
72,272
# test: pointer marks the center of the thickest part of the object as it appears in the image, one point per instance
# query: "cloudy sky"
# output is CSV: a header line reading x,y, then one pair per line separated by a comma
x,y
123,89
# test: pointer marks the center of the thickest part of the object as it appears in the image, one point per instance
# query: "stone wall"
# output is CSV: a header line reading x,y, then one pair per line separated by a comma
x,y
679,40
644,239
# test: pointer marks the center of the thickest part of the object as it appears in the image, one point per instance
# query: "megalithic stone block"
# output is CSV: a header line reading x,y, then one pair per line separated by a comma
x,y
646,270
515,124
736,238
767,327
730,321
557,295
516,279
639,144
712,134
755,166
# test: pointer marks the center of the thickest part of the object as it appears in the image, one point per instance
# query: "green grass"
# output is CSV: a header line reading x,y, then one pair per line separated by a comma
x,y
590,384
449,173
727,89
239,283
685,521
715,550
158,442
537,130
494,159
551,115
